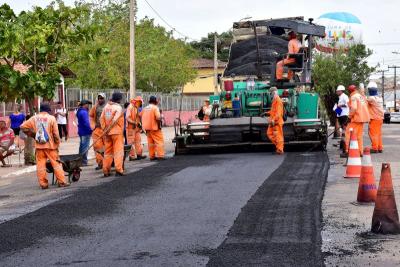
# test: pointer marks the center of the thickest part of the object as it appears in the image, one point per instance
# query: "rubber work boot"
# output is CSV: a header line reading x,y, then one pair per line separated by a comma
x,y
107,175
344,155
140,157
119,174
374,151
45,187
380,151
64,185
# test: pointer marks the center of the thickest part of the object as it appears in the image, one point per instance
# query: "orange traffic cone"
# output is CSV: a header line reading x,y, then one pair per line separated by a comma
x,y
385,219
367,187
353,169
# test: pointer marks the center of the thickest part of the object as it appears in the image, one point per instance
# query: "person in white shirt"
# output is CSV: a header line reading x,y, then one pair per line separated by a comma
x,y
61,115
342,107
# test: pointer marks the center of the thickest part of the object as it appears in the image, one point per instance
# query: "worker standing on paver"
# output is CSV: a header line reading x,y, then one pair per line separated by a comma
x,y
44,129
275,127
134,128
151,120
358,115
112,122
97,134
376,112
207,109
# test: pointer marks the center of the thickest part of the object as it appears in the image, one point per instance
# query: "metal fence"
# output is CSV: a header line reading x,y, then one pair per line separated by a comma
x,y
166,101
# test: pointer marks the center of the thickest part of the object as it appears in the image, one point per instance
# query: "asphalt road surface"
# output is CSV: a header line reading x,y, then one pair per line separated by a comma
x,y
217,210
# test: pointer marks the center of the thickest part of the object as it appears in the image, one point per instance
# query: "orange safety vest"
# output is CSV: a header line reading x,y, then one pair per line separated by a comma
x,y
276,112
150,118
112,112
133,114
375,105
50,124
359,108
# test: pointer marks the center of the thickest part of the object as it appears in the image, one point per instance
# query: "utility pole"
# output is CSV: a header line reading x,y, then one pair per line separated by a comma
x,y
383,85
132,69
395,86
215,64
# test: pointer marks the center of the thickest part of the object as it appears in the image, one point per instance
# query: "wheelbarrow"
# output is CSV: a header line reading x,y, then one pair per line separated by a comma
x,y
71,164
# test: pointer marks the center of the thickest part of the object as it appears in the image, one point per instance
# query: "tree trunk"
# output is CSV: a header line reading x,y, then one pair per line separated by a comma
x,y
29,151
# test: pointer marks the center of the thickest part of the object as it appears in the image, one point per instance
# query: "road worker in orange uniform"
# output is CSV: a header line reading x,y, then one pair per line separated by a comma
x,y
97,134
275,127
359,114
44,129
134,128
293,48
112,122
151,120
376,112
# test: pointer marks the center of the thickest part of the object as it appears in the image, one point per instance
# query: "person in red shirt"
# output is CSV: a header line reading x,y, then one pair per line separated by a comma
x,y
294,46
7,146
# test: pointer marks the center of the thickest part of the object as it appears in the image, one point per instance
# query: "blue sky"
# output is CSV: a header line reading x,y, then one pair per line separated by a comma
x,y
194,18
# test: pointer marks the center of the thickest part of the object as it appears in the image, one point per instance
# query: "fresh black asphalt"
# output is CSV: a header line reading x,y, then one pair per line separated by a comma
x,y
178,213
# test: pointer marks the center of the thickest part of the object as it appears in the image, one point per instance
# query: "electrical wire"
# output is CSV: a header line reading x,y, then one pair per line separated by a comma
x,y
169,25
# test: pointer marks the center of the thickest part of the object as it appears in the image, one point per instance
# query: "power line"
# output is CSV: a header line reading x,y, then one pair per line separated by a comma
x,y
169,25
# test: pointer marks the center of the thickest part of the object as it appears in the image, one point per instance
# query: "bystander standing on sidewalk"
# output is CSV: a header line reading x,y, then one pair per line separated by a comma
x,y
84,129
16,119
61,115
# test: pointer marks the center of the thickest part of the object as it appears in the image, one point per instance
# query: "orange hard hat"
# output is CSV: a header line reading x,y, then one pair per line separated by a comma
x,y
137,99
352,88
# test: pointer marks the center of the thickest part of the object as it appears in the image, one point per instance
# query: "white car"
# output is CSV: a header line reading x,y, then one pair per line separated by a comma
x,y
395,117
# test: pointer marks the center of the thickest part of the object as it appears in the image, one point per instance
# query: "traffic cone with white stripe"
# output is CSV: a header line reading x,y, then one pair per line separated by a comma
x,y
367,188
353,169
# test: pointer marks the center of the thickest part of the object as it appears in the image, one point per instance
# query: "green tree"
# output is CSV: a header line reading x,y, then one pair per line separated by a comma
x,y
37,39
205,46
162,62
343,67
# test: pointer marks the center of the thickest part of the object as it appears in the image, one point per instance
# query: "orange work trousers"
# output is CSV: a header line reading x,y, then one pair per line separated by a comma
x,y
98,145
358,128
155,142
42,155
279,68
375,134
113,150
134,139
275,134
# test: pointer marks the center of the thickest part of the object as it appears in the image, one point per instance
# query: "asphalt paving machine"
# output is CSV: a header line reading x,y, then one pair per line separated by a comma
x,y
238,118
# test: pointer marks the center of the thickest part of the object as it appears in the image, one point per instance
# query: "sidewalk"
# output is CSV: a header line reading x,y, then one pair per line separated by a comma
x,y
345,236
21,194
72,147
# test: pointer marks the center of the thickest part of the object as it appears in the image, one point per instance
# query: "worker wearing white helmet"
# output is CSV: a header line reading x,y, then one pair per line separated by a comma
x,y
342,107
376,112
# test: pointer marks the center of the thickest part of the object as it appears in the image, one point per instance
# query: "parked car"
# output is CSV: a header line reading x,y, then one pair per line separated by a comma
x,y
395,117
386,118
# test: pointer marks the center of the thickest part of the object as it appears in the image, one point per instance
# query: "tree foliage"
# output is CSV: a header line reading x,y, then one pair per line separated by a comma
x,y
345,68
162,62
205,46
37,39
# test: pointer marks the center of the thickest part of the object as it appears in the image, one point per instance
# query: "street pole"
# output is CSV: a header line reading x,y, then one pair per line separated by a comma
x,y
215,64
395,86
132,69
383,85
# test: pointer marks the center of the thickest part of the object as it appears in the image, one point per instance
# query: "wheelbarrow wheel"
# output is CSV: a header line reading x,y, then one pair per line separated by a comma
x,y
76,175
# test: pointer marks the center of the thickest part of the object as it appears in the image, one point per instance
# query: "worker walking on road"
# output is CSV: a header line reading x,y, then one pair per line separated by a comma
x,y
275,127
151,120
342,112
376,112
134,128
294,46
112,122
44,129
97,134
359,115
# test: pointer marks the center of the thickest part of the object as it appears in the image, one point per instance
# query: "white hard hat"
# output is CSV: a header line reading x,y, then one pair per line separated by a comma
x,y
372,85
340,88
103,95
361,86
